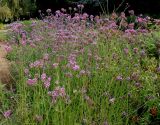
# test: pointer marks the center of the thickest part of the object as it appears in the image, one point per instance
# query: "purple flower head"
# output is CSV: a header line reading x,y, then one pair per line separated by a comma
x,y
82,72
23,42
131,31
46,81
37,64
140,20
131,26
48,10
135,76
128,78
8,48
39,11
131,12
26,71
32,81
80,6
126,51
85,15
123,15
31,65
76,67
47,84
69,75
70,8
58,12
105,123
137,84
142,30
24,36
62,92
55,65
63,10
32,45
114,16
7,113
38,118
56,93
46,56
43,77
158,69
75,9
91,17
135,50
119,78
142,53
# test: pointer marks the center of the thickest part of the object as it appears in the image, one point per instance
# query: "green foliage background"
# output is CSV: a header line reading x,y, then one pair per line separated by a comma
x,y
10,9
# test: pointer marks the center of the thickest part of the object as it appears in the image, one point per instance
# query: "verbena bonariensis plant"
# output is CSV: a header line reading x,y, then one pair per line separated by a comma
x,y
80,69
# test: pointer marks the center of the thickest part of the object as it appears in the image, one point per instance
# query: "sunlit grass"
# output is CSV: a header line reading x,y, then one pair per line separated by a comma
x,y
3,34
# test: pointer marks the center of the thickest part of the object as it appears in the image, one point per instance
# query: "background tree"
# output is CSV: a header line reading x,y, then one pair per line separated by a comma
x,y
10,9
5,11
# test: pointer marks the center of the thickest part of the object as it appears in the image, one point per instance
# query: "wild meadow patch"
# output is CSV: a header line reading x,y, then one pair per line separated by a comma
x,y
82,69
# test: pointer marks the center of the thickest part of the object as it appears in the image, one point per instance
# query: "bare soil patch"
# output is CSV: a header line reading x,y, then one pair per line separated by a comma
x,y
5,76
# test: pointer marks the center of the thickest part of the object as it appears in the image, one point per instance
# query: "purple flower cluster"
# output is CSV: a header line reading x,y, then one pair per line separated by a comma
x,y
46,80
57,93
